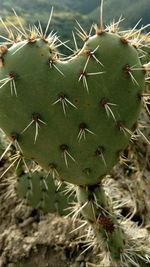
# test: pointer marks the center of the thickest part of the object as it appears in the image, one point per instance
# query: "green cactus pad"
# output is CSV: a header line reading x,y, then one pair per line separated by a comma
x,y
40,192
73,116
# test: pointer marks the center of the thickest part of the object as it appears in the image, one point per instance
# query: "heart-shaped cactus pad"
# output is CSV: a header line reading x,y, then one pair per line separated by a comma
x,y
73,116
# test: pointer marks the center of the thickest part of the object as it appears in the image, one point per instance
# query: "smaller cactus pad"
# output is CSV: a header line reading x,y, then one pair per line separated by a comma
x,y
40,192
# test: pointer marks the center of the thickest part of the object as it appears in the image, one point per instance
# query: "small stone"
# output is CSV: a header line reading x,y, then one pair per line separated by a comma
x,y
74,264
63,257
80,258
11,264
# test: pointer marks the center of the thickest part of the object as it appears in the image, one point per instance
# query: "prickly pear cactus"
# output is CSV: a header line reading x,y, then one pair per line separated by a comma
x,y
74,116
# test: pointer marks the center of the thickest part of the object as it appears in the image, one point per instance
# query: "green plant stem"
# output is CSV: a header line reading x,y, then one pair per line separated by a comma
x,y
98,212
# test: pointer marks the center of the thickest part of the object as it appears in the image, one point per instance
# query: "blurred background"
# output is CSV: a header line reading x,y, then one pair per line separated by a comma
x,y
66,11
